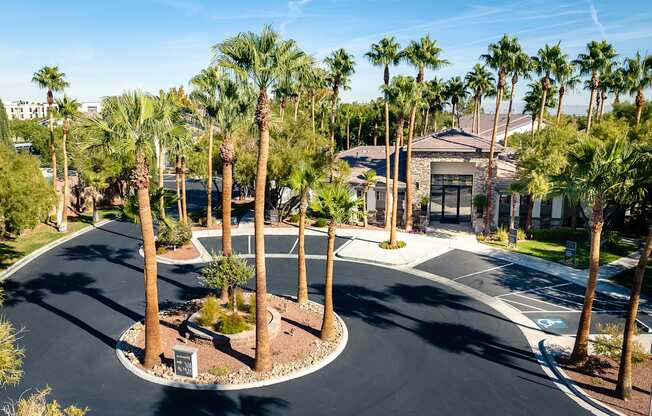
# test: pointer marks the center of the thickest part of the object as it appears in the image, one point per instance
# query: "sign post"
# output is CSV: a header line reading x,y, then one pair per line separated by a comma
x,y
571,249
513,237
185,361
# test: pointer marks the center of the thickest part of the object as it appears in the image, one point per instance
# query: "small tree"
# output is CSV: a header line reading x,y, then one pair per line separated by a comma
x,y
224,272
369,177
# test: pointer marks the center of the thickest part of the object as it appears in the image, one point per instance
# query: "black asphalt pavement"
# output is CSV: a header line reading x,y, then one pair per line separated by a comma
x,y
415,347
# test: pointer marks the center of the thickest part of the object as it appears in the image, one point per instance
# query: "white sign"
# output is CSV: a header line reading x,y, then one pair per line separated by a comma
x,y
185,361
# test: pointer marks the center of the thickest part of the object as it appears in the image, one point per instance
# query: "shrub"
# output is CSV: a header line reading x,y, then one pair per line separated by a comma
x,y
219,371
613,238
173,233
560,235
226,271
239,300
479,203
387,246
424,201
294,217
520,235
210,312
610,344
501,234
321,222
36,404
232,324
11,356
252,309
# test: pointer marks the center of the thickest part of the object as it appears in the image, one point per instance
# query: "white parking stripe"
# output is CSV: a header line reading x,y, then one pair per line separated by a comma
x,y
525,305
547,303
483,271
535,289
293,246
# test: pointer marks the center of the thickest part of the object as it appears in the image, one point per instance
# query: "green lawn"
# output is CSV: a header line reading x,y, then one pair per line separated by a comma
x,y
550,244
12,250
625,279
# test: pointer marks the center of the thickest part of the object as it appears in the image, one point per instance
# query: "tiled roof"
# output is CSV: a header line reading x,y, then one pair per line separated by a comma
x,y
487,123
362,158
454,140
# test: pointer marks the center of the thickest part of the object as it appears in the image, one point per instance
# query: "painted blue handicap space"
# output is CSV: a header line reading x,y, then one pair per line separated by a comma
x,y
551,323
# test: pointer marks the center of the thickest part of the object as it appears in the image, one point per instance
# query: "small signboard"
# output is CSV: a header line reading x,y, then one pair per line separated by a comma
x,y
185,361
513,236
571,249
551,323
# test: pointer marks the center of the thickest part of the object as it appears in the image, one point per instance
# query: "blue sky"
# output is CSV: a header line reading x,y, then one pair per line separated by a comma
x,y
105,47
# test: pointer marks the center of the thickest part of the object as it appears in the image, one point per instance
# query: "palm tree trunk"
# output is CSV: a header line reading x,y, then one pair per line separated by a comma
x,y
359,142
581,348
161,183
184,204
603,98
94,202
53,158
573,216
296,105
528,219
312,111
640,102
263,353
328,320
302,281
63,227
227,189
209,179
333,116
348,124
589,119
365,190
453,115
624,385
177,178
475,113
152,329
425,121
434,120
388,209
512,216
399,135
490,164
561,99
509,110
408,180
544,97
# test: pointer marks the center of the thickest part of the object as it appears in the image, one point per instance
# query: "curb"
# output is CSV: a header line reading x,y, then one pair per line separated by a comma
x,y
243,386
36,253
602,408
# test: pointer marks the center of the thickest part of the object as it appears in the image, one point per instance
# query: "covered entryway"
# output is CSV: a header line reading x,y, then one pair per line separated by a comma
x,y
450,198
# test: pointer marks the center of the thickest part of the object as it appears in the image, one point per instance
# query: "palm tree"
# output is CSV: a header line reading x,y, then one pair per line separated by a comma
x,y
479,80
369,177
597,165
51,79
403,93
435,96
67,109
166,111
455,91
340,67
638,75
303,179
498,58
334,202
264,59
386,53
205,95
564,73
547,59
618,83
127,127
595,62
178,142
519,65
315,80
533,101
97,182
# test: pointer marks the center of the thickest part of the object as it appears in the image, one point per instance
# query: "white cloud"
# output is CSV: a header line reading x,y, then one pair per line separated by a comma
x,y
596,19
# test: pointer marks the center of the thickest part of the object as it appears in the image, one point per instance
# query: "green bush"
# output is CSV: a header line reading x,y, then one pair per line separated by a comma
x,y
210,312
501,234
611,342
173,233
520,235
387,246
294,217
321,222
252,309
232,324
613,238
560,235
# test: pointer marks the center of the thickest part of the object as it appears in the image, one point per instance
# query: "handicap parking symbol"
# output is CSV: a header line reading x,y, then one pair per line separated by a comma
x,y
551,323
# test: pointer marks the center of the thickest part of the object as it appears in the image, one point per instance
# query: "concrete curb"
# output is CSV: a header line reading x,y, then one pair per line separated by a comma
x,y
601,408
202,258
35,254
226,387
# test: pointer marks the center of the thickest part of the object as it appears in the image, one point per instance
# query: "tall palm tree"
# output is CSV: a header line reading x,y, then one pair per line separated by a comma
x,y
127,127
597,164
595,62
422,54
303,179
435,96
166,111
547,59
455,91
564,73
618,83
263,59
340,66
51,79
479,80
533,101
369,177
519,64
333,201
68,109
315,80
386,53
403,93
498,58
178,141
206,97
638,75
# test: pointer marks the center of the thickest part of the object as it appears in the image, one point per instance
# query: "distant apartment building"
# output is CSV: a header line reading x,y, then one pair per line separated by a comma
x,y
25,110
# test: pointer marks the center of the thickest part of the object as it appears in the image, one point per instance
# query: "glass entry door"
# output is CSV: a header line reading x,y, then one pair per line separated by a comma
x,y
450,198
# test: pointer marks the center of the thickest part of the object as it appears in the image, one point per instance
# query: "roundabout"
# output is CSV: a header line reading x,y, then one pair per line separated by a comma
x,y
415,346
